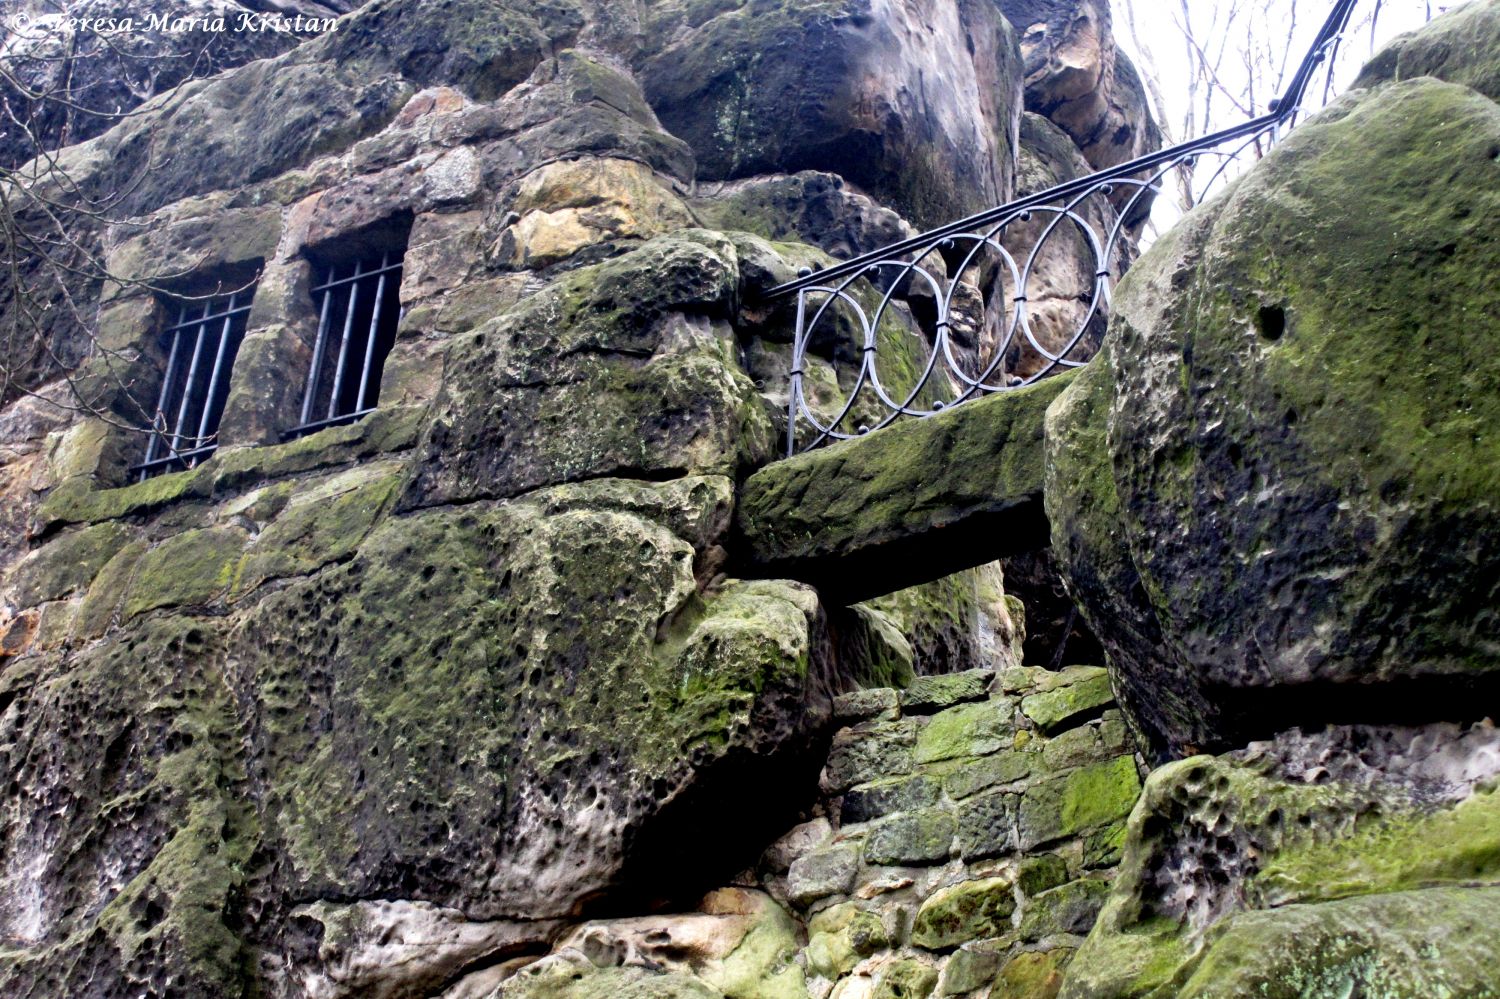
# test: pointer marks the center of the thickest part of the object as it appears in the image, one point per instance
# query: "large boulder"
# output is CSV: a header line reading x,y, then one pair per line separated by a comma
x,y
915,102
1276,491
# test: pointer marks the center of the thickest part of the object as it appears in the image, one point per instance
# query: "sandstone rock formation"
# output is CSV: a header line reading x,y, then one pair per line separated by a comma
x,y
396,707
1354,860
914,102
965,838
484,694
1078,78
79,79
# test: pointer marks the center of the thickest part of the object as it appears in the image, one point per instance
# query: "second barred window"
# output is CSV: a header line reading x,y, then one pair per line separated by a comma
x,y
358,313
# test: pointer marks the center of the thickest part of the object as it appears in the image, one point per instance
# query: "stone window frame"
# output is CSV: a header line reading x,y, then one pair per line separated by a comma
x,y
194,386
350,347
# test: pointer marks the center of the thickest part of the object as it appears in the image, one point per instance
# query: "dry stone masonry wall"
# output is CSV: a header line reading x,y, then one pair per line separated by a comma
x,y
965,837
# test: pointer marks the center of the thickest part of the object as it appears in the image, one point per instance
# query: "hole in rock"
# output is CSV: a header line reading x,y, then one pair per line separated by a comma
x,y
1271,321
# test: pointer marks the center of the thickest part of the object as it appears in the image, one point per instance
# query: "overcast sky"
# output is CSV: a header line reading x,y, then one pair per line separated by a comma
x,y
1159,33
1158,23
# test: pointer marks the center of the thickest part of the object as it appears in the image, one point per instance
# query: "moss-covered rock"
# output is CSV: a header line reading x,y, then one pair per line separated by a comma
x,y
66,564
1087,691
905,979
1032,975
1359,844
552,676
969,910
840,936
189,568
966,730
1261,482
627,369
854,515
1072,803
1459,47
921,837
136,853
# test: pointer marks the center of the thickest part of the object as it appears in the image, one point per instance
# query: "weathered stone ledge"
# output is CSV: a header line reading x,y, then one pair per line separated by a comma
x,y
908,504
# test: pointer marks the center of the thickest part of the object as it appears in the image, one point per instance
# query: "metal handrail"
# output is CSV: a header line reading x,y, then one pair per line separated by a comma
x,y
946,266
1282,110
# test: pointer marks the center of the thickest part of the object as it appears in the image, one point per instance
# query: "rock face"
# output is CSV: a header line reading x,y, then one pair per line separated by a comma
x,y
1353,861
1077,76
1279,484
914,101
95,77
1273,495
398,707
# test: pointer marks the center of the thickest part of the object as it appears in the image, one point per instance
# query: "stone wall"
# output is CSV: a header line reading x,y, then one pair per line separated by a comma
x,y
966,835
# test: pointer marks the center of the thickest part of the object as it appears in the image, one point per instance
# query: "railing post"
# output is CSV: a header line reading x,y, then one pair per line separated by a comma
x,y
794,392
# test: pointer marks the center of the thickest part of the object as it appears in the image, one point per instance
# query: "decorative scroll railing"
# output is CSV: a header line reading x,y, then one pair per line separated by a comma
x,y
1003,298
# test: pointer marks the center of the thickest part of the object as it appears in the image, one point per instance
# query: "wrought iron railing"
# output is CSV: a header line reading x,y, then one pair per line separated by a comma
x,y
983,298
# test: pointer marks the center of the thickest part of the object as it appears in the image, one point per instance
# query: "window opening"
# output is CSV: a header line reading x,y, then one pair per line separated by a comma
x,y
358,313
201,347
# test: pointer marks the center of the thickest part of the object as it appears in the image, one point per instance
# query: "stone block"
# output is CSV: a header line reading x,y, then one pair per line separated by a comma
x,y
966,730
881,798
969,910
1054,709
1038,874
826,872
859,705
839,936
933,693
924,837
869,752
1033,975
1092,743
1078,801
905,980
1069,908
1005,767
969,970
986,826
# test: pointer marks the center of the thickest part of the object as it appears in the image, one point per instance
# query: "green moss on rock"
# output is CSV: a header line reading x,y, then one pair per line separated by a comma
x,y
1032,975
1088,692
194,567
840,936
534,662
607,372
66,564
1288,427
966,730
921,837
970,910
1073,803
905,979
831,511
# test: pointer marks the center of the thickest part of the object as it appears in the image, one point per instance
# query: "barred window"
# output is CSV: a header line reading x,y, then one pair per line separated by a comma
x,y
358,312
200,348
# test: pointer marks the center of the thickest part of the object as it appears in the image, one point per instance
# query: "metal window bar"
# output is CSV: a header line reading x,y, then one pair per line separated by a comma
x,y
360,311
975,257
195,385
